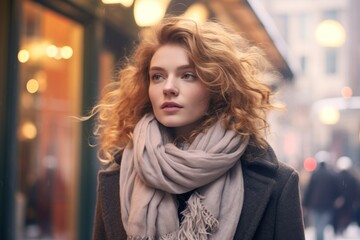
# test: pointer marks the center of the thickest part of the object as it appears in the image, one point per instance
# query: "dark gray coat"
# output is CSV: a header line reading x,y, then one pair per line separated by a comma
x,y
271,209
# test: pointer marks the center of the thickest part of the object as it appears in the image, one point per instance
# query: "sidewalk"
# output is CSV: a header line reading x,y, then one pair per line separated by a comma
x,y
351,233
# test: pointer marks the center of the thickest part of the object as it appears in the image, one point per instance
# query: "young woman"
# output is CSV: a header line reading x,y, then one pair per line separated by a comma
x,y
183,131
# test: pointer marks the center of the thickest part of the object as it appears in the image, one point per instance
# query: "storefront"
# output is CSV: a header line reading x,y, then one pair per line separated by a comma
x,y
57,54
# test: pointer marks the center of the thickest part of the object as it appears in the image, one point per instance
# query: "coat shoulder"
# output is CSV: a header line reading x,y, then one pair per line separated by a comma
x,y
271,207
265,162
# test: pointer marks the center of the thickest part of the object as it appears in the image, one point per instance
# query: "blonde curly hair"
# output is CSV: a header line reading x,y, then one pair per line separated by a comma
x,y
224,61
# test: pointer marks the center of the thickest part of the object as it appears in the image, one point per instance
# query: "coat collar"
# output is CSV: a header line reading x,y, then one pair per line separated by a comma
x,y
260,166
262,158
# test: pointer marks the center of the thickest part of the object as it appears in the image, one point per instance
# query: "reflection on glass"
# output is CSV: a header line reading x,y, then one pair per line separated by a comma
x,y
48,138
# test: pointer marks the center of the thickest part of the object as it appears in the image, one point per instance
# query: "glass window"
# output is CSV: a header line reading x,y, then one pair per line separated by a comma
x,y
304,26
303,64
331,56
331,14
283,25
50,75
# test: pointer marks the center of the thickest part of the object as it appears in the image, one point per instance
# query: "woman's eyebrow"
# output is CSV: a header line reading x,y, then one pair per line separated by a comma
x,y
182,67
155,68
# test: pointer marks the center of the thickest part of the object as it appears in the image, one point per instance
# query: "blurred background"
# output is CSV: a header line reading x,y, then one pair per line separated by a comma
x,y
56,56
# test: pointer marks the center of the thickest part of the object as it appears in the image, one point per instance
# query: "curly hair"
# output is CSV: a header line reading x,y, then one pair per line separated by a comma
x,y
224,61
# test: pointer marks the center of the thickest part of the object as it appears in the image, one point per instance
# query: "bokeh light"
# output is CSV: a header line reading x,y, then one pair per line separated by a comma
x,y
23,56
149,12
310,164
28,130
330,33
197,12
346,92
32,86
125,3
329,115
51,51
66,52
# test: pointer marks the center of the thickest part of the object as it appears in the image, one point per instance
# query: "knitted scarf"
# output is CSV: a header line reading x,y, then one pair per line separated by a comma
x,y
153,171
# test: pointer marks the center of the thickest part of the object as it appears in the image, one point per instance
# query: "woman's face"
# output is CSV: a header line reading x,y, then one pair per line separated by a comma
x,y
178,98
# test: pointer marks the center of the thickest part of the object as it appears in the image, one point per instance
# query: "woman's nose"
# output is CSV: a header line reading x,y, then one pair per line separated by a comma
x,y
170,87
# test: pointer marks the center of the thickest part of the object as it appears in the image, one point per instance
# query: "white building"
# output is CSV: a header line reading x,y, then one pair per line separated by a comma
x,y
323,76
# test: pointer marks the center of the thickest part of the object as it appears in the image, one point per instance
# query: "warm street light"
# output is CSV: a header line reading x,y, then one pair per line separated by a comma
x,y
330,33
125,3
149,12
328,109
197,12
329,115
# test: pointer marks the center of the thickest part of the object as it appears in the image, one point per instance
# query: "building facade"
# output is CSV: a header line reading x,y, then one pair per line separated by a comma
x,y
323,100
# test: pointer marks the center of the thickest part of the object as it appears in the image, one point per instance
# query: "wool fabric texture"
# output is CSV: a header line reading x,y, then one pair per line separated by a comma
x,y
153,171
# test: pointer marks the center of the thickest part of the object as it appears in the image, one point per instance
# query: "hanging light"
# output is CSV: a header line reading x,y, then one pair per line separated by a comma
x,y
330,33
125,3
149,12
197,12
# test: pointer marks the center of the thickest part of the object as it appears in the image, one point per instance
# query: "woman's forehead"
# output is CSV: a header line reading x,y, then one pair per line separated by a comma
x,y
170,54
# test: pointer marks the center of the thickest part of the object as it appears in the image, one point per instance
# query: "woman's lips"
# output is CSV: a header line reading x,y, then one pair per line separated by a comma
x,y
170,107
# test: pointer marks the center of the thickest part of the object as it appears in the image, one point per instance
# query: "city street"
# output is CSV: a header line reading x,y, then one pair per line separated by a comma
x,y
351,233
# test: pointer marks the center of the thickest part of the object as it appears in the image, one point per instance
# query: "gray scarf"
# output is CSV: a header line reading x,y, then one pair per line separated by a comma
x,y
153,171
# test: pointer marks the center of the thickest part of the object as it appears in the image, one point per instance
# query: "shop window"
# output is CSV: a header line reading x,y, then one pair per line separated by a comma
x,y
283,25
331,14
304,26
303,64
50,75
331,56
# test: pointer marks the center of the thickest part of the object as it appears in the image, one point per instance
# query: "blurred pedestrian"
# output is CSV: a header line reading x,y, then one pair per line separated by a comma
x,y
348,202
321,194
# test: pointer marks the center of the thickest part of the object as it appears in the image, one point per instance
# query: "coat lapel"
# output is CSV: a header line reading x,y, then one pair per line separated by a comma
x,y
259,166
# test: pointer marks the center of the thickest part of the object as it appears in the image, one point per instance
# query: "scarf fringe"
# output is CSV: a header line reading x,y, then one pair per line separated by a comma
x,y
198,222
169,236
139,238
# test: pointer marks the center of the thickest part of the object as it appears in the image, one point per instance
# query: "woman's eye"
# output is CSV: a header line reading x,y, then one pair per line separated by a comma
x,y
188,76
156,77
